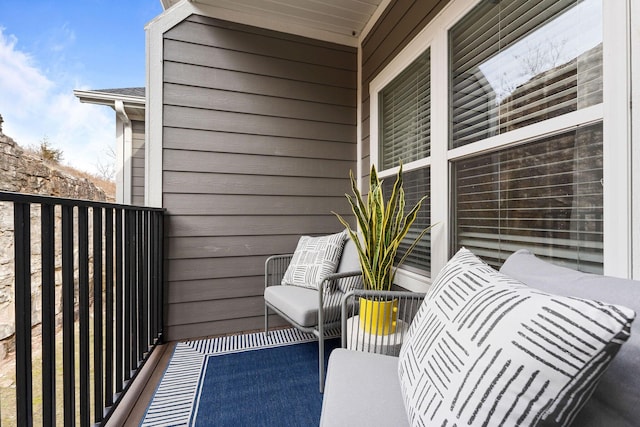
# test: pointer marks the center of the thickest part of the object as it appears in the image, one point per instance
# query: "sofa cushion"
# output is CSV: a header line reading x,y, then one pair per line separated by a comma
x,y
485,349
362,389
314,259
616,400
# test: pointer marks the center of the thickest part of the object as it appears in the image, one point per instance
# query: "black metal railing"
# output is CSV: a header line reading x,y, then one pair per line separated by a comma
x,y
101,279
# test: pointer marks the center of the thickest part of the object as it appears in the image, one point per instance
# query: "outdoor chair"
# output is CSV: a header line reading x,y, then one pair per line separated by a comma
x,y
316,311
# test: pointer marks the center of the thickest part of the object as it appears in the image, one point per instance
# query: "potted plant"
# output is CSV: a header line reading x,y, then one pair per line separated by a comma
x,y
383,226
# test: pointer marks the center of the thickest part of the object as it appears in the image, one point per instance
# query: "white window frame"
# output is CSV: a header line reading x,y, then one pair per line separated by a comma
x,y
615,113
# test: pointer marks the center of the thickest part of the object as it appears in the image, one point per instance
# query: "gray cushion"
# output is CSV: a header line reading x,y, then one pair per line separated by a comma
x,y
485,349
616,400
314,259
362,389
300,304
349,262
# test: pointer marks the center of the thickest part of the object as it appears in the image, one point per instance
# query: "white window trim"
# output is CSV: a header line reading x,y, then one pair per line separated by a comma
x,y
634,24
615,112
617,140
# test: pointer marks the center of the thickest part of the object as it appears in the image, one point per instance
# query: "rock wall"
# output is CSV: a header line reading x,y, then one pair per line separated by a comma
x,y
23,172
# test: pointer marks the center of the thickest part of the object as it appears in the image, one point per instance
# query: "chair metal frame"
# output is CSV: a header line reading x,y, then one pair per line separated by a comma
x,y
329,303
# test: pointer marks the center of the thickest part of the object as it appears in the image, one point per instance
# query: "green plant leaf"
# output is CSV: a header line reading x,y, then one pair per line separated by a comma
x,y
382,227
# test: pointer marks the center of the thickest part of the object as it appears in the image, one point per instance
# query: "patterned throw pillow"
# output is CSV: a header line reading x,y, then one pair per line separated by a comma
x,y
486,350
314,259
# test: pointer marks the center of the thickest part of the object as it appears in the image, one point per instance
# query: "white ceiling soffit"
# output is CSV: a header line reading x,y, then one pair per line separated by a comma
x,y
343,18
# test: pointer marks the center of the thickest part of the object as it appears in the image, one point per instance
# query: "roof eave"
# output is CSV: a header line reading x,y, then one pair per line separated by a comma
x,y
103,98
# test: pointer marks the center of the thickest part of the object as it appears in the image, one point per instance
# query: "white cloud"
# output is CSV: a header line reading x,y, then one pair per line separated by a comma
x,y
22,85
35,105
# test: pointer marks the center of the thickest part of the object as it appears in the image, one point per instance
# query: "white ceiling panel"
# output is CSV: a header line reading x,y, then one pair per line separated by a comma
x,y
340,17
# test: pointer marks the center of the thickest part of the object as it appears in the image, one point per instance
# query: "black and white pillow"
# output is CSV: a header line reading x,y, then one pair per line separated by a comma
x,y
314,259
486,350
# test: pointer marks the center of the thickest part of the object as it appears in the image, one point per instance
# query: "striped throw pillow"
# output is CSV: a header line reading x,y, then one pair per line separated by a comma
x,y
486,350
314,259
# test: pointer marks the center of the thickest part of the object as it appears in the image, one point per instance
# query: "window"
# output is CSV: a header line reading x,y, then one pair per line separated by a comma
x,y
518,148
519,62
545,196
405,110
514,64
416,184
405,136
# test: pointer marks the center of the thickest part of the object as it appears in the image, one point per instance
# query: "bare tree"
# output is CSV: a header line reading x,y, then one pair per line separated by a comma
x,y
106,164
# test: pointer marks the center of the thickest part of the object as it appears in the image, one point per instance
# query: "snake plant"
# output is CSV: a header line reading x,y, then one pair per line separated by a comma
x,y
382,226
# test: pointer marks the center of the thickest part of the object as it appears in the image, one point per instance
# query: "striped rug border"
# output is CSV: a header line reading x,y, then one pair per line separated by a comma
x,y
175,399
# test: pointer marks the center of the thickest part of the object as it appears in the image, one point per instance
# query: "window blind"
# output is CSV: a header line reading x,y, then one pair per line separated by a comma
x,y
417,184
545,196
514,63
404,115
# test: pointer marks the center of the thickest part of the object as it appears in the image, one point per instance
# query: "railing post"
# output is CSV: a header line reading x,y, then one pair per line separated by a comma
x,y
128,250
160,278
22,247
83,296
68,344
120,260
97,314
152,277
108,295
48,315
144,328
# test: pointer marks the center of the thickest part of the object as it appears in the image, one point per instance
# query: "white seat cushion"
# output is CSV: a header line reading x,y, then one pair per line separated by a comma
x,y
362,389
300,304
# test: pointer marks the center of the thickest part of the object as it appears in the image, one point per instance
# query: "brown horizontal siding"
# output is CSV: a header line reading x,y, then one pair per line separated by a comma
x,y
216,268
247,123
215,289
216,78
215,33
225,142
178,332
263,105
137,162
229,246
185,226
182,182
233,204
213,57
216,310
258,140
206,161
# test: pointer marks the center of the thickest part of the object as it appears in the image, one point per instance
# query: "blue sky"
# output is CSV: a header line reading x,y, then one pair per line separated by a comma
x,y
49,48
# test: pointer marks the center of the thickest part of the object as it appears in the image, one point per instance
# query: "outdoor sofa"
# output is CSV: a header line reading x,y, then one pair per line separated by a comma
x,y
365,389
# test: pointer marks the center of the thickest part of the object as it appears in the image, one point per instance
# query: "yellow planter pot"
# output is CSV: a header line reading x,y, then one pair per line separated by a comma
x,y
378,317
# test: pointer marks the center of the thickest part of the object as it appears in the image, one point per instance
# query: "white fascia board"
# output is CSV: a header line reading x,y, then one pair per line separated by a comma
x,y
105,98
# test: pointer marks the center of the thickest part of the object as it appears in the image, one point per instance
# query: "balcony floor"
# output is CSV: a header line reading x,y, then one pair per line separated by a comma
x,y
133,408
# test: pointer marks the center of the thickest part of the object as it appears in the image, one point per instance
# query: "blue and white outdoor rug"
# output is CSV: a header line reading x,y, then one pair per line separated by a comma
x,y
246,379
